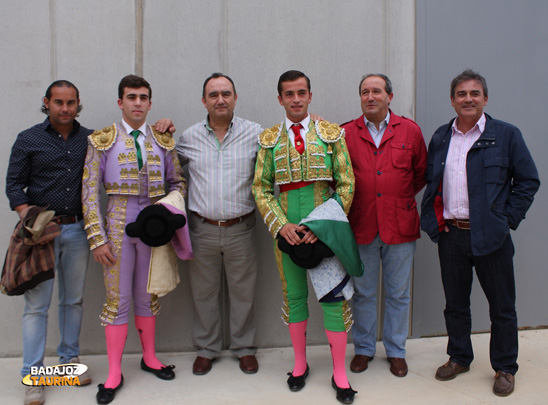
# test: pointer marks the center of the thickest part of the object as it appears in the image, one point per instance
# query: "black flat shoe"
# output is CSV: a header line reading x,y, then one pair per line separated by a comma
x,y
297,383
165,373
106,395
344,395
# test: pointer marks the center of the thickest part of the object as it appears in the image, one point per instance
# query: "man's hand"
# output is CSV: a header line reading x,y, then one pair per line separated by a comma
x,y
309,236
289,233
165,125
103,255
315,117
20,208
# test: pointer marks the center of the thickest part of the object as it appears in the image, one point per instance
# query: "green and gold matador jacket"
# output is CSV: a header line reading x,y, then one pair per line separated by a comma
x,y
325,161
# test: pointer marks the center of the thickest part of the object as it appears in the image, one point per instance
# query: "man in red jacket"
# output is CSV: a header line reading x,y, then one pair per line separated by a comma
x,y
389,159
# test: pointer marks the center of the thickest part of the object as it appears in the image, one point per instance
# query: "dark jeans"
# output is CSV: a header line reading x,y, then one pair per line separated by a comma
x,y
495,273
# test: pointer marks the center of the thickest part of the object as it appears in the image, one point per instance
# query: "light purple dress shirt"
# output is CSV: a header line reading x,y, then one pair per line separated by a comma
x,y
455,183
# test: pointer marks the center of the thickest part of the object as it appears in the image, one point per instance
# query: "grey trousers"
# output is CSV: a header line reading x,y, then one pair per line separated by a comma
x,y
233,248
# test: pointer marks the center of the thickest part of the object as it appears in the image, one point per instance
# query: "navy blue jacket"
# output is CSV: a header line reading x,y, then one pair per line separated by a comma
x,y
502,181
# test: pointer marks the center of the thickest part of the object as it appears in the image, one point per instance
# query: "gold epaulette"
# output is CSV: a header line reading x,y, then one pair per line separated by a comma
x,y
328,132
269,137
104,139
165,140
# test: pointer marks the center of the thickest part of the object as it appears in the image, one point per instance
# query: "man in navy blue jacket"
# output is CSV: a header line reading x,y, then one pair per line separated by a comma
x,y
481,180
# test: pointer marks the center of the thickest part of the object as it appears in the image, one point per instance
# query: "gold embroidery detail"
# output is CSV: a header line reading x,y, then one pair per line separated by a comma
x,y
329,132
122,158
124,173
132,157
134,173
165,141
154,304
155,175
148,147
347,316
269,137
104,139
116,217
130,143
279,262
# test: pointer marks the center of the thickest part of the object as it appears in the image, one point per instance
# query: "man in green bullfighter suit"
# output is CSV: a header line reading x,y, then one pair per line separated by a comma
x,y
304,158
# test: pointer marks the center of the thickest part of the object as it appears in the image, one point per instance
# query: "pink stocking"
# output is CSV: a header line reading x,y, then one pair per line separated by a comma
x,y
297,331
146,326
337,343
116,340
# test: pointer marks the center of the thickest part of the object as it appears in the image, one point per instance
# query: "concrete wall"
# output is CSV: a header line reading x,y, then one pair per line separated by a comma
x,y
175,45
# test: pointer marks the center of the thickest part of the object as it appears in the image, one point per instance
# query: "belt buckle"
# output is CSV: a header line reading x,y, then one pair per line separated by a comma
x,y
221,221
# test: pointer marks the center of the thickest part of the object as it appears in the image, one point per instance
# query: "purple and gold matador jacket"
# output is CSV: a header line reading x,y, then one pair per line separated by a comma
x,y
112,160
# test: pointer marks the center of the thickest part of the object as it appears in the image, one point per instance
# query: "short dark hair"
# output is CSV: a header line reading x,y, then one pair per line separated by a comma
x,y
61,83
133,82
291,76
215,76
387,85
468,74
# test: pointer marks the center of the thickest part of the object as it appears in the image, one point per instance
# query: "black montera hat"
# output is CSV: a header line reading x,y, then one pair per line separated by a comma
x,y
155,225
305,255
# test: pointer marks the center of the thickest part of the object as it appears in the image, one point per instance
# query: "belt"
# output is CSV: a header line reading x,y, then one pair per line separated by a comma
x,y
293,186
460,223
68,219
224,222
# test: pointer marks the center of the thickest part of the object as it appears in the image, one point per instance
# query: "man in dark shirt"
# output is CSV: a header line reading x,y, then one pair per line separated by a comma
x,y
45,169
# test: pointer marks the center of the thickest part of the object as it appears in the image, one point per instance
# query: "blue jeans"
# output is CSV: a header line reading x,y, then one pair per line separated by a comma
x,y
71,262
495,273
397,263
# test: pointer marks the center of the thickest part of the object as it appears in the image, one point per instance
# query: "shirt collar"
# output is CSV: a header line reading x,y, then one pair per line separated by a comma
x,y
46,126
386,120
304,123
129,129
208,127
480,125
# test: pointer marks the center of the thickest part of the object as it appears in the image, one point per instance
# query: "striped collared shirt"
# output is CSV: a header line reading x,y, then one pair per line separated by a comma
x,y
220,174
455,182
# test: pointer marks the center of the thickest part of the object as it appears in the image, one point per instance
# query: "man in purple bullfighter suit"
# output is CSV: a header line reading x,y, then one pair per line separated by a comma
x,y
134,162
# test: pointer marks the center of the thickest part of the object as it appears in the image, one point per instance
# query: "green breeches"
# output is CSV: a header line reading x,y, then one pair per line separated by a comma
x,y
297,204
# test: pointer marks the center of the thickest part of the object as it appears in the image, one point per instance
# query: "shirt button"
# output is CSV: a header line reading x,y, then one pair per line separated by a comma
x,y
375,153
68,152
379,194
379,173
68,189
69,170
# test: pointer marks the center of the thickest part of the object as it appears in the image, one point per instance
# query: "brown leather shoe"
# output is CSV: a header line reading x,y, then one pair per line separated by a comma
x,y
201,365
249,364
398,366
504,384
360,363
450,370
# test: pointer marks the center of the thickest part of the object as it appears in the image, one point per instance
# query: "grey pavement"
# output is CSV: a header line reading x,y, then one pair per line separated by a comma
x,y
226,384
